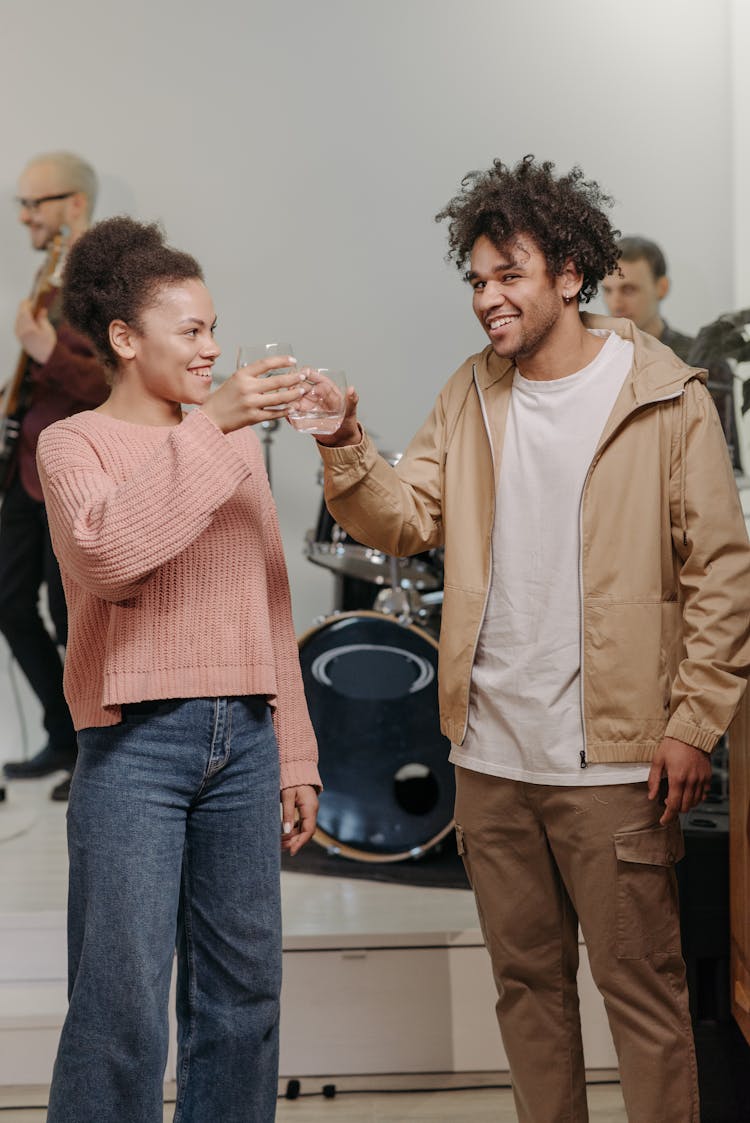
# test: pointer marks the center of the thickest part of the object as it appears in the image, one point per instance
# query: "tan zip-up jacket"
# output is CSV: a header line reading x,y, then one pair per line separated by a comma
x,y
664,556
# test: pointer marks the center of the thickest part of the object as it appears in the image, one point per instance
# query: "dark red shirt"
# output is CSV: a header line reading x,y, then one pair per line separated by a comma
x,y
71,380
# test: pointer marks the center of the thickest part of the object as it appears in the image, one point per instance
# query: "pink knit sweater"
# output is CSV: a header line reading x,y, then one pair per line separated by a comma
x,y
173,571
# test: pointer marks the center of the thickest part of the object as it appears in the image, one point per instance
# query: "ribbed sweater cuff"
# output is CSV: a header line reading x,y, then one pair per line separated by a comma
x,y
295,773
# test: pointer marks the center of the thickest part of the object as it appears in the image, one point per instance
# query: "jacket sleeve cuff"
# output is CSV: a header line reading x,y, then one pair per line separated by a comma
x,y
362,455
694,735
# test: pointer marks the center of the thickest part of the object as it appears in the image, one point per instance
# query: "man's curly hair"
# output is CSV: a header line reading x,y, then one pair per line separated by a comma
x,y
113,272
564,215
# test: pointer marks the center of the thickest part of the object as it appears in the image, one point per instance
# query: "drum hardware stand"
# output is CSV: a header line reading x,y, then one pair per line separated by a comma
x,y
396,600
269,428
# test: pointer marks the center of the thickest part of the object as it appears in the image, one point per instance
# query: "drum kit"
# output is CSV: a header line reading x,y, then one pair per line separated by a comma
x,y
370,677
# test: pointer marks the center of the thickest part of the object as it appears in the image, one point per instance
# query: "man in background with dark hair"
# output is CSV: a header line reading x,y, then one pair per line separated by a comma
x,y
594,641
635,290
60,376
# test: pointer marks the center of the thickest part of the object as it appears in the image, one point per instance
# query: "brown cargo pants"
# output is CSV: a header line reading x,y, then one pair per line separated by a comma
x,y
540,859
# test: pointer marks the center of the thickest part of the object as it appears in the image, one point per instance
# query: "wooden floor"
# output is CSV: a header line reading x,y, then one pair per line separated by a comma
x,y
476,1106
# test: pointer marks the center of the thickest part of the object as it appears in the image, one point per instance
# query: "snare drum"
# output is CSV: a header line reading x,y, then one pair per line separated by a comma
x,y
329,545
371,688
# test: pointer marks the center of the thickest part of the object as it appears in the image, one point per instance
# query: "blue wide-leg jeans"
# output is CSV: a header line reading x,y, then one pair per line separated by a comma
x,y
174,840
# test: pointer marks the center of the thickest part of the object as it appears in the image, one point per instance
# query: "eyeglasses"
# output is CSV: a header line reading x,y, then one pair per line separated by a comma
x,y
35,204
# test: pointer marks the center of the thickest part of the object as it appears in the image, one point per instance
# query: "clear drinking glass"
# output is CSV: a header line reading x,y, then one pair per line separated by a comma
x,y
321,409
252,352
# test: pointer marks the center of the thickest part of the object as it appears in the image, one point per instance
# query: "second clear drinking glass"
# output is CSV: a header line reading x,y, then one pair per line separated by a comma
x,y
321,409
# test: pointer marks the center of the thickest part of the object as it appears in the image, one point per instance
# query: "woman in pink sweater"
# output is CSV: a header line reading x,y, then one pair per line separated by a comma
x,y
183,681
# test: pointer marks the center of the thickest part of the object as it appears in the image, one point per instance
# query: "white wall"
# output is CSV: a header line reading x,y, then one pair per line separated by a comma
x,y
301,147
740,71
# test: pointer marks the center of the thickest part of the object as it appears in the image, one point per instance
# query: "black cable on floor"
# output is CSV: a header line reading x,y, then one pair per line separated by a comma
x,y
331,1091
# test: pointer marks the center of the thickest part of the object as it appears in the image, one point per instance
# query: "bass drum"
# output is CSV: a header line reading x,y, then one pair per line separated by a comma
x,y
371,687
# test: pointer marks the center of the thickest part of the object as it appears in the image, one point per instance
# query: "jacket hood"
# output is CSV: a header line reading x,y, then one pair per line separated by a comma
x,y
657,372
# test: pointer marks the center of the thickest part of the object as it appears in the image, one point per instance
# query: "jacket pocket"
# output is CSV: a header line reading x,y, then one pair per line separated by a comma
x,y
627,679
648,915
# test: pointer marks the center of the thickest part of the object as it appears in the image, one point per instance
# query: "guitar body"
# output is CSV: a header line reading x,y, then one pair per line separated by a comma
x,y
10,428
14,405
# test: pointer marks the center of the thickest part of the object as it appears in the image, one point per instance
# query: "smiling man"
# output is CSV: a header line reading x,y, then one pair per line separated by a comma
x,y
594,640
59,375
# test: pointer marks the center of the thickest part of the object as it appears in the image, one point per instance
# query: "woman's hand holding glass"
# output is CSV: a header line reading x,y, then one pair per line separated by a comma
x,y
249,353
252,394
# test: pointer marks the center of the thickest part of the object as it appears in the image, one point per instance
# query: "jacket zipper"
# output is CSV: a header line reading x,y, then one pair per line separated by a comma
x,y
592,465
492,530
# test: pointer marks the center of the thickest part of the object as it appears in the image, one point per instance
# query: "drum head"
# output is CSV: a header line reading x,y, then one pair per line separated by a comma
x,y
371,687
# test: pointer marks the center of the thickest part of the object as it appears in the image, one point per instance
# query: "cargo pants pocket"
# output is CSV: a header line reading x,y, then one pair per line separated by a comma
x,y
648,915
461,848
463,851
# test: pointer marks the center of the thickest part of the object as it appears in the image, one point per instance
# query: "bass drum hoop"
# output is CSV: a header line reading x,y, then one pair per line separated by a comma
x,y
327,841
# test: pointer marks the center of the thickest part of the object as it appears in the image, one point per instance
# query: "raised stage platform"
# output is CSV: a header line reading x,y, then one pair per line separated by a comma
x,y
380,980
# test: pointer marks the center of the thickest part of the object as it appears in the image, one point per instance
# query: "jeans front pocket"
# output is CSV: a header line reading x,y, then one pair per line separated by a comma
x,y
648,916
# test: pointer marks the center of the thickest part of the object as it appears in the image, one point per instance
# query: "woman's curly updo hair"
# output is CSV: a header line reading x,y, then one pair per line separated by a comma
x,y
114,272
564,215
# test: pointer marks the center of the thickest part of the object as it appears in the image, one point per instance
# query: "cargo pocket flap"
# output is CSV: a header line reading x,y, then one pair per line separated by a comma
x,y
656,846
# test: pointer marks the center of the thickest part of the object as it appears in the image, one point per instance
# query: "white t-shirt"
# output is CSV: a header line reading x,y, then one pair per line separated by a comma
x,y
525,712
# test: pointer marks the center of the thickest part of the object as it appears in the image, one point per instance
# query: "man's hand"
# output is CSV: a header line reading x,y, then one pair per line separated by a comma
x,y
35,333
298,829
688,773
349,431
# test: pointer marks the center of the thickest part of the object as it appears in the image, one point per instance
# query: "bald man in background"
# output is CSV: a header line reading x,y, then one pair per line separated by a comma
x,y
61,376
